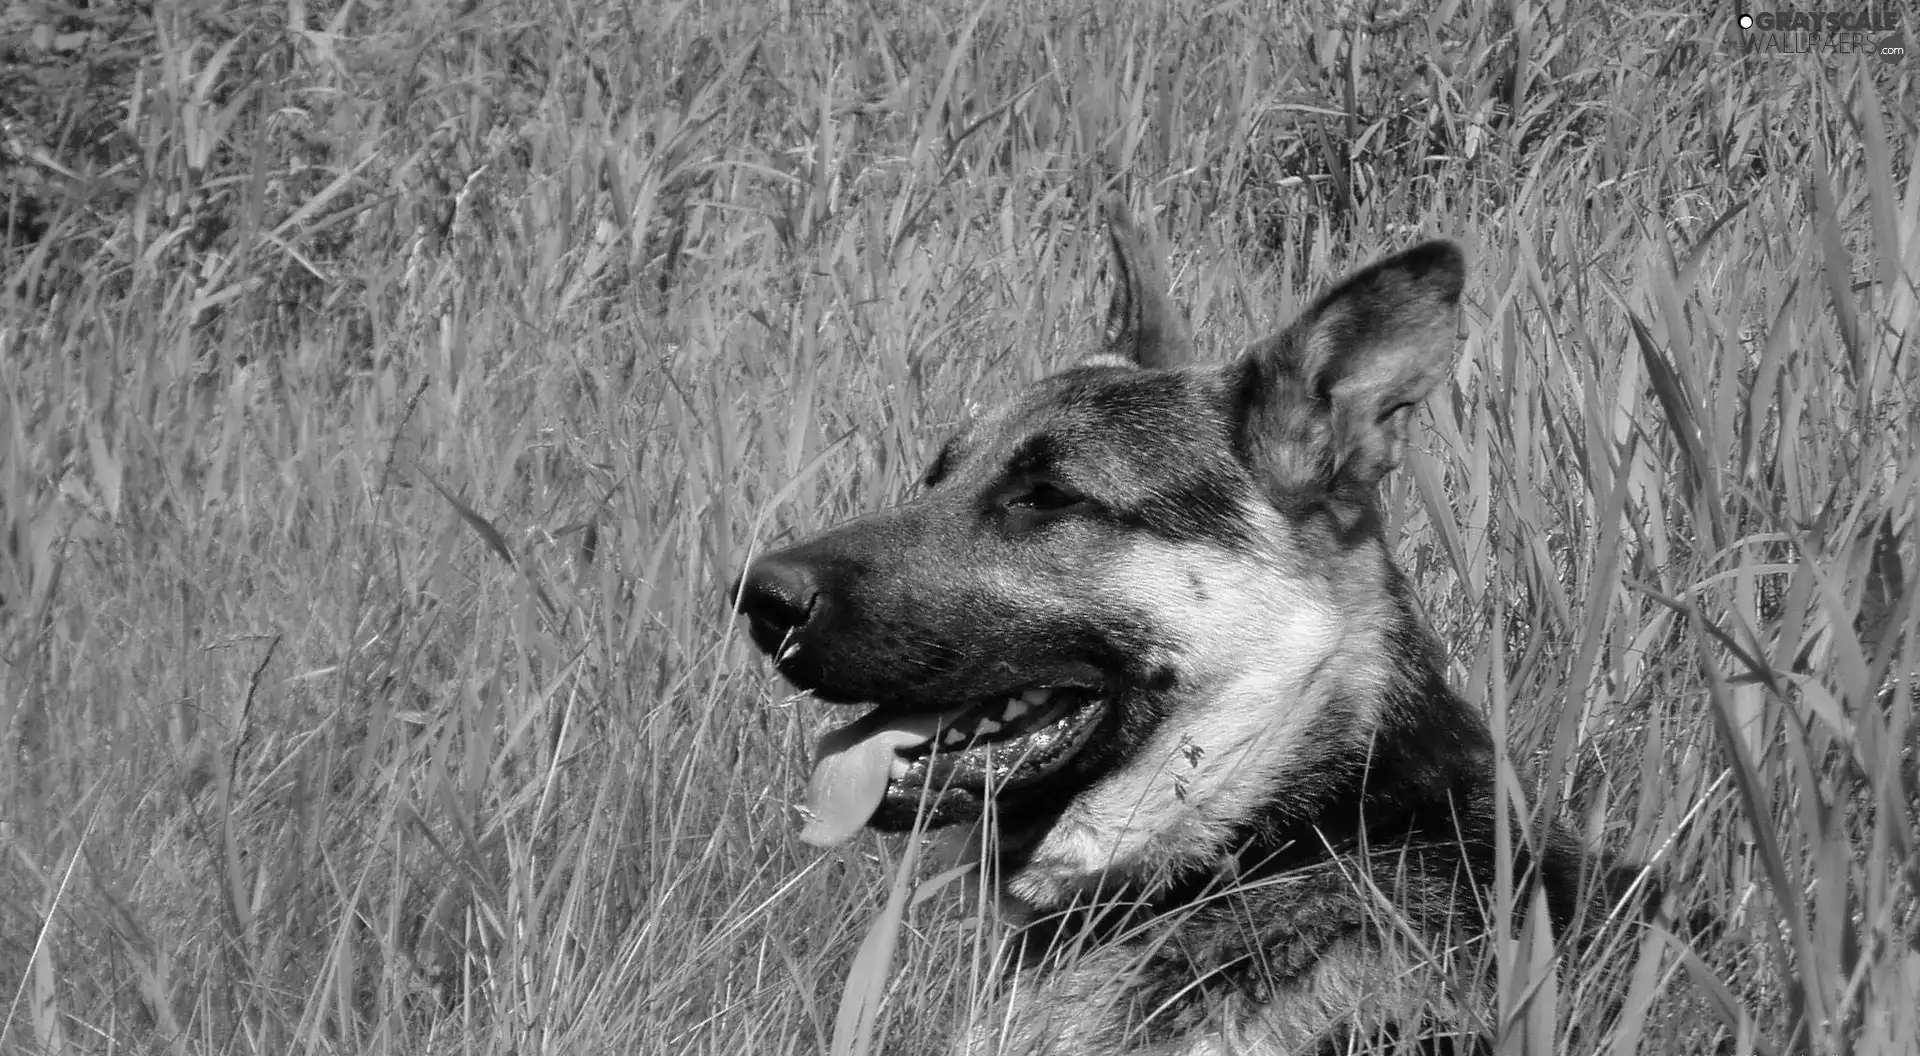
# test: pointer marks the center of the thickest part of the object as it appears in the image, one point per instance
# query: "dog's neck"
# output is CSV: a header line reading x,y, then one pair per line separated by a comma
x,y
1426,787
1427,775
1424,803
1431,768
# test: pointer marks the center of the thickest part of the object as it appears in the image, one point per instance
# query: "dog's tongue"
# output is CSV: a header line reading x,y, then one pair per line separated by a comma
x,y
850,771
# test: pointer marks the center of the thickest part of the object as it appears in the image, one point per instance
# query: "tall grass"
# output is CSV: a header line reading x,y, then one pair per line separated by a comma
x,y
388,395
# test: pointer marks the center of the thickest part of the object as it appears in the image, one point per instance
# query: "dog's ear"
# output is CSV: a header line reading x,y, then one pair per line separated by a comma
x,y
1323,405
1144,326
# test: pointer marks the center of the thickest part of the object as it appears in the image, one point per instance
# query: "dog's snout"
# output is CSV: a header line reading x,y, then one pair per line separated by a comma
x,y
777,596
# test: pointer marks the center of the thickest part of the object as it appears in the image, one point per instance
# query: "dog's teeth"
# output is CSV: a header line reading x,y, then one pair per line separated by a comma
x,y
1037,698
1013,709
986,726
898,768
953,738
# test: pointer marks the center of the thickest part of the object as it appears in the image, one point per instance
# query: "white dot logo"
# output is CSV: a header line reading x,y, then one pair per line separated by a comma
x,y
1893,49
1746,21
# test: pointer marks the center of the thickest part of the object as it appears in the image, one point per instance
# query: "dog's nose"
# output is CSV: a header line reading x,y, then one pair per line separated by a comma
x,y
777,595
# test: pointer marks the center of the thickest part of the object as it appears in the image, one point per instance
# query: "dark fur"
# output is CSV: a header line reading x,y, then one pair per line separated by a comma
x,y
1050,547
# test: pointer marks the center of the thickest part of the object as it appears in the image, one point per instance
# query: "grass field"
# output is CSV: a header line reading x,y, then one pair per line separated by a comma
x,y
387,392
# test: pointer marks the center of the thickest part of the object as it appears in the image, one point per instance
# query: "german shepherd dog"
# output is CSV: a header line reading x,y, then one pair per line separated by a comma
x,y
1141,627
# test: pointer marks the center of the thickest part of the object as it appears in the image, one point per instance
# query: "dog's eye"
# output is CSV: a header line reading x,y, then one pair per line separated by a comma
x,y
1042,497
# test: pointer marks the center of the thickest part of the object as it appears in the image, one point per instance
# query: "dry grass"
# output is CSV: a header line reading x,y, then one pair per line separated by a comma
x,y
386,394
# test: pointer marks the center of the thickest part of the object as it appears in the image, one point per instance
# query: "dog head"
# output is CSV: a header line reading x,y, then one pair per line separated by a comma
x,y
1135,608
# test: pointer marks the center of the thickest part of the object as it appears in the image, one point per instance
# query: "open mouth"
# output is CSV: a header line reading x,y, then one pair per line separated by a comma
x,y
1006,743
983,749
